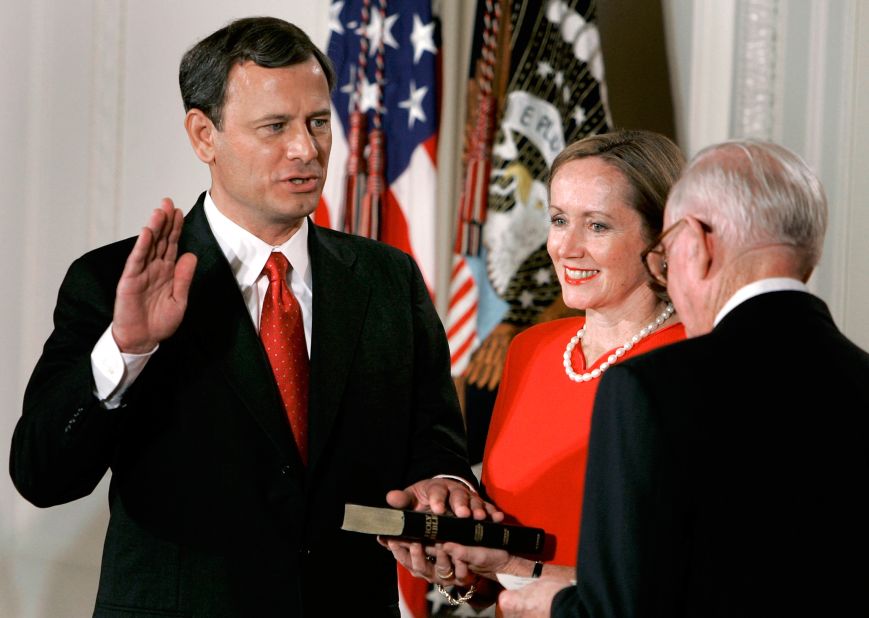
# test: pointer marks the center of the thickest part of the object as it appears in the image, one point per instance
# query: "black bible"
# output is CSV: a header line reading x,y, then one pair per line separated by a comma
x,y
429,528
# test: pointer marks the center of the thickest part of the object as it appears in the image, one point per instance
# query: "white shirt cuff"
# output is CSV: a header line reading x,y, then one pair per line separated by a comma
x,y
457,478
114,371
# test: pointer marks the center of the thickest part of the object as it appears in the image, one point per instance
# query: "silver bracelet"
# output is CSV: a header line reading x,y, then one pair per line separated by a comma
x,y
457,600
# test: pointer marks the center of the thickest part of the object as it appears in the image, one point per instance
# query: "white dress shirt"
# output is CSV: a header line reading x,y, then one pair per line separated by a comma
x,y
114,372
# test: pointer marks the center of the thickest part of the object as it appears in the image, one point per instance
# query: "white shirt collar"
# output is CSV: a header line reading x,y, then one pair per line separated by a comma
x,y
756,288
247,254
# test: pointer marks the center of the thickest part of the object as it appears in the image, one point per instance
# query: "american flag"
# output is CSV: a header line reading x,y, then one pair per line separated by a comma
x,y
402,38
386,58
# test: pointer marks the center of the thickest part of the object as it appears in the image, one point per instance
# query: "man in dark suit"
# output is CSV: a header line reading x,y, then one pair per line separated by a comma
x,y
221,505
727,474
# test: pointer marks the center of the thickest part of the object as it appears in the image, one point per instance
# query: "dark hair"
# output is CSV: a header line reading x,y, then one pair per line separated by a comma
x,y
648,161
267,41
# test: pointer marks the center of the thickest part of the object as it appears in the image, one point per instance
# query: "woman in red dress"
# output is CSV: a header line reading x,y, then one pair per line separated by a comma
x,y
607,194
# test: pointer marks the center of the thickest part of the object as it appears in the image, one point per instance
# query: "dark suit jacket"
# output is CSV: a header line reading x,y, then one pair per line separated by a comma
x,y
212,513
728,474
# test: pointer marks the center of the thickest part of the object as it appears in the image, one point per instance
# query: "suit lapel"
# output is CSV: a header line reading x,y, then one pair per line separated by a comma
x,y
340,305
216,313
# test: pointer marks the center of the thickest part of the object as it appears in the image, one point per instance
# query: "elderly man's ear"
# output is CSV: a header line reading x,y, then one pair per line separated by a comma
x,y
700,247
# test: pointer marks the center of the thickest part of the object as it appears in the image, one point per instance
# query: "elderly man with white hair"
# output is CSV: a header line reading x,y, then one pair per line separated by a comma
x,y
728,473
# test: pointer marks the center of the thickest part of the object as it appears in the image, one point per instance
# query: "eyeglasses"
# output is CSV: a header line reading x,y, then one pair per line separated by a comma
x,y
655,256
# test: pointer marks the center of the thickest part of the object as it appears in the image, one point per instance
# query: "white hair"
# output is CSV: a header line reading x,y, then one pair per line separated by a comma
x,y
754,193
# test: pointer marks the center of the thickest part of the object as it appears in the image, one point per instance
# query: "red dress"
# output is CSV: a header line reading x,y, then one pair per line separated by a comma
x,y
537,445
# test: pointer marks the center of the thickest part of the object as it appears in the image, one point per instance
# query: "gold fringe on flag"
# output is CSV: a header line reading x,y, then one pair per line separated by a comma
x,y
355,179
365,183
475,190
369,219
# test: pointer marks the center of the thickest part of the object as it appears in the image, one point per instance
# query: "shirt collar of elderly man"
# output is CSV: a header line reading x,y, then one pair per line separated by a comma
x,y
742,212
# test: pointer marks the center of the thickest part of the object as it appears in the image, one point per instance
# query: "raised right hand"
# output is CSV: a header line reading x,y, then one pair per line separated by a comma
x,y
152,292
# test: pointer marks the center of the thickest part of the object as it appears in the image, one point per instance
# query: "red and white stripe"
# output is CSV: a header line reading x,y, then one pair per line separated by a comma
x,y
462,315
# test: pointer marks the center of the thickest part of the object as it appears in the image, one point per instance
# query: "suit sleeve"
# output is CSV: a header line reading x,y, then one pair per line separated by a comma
x,y
629,525
566,604
62,444
440,445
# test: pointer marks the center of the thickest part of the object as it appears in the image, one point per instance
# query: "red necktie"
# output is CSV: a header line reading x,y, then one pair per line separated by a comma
x,y
283,334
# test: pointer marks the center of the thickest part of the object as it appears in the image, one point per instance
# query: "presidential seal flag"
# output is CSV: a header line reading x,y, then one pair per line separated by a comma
x,y
548,88
382,172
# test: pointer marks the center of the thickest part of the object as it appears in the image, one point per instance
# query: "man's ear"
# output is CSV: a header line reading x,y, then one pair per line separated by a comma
x,y
702,248
201,133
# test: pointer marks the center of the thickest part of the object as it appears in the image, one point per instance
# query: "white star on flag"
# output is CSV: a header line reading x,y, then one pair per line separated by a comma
x,y
543,276
422,38
335,17
544,69
465,611
437,602
379,28
370,95
578,115
413,104
526,298
559,79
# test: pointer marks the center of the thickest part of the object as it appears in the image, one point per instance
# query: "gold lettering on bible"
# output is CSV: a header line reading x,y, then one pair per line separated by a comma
x,y
431,526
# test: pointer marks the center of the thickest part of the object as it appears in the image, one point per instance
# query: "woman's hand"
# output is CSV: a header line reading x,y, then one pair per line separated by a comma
x,y
428,562
483,561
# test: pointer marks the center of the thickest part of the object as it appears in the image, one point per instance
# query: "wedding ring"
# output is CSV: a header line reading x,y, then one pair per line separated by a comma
x,y
446,575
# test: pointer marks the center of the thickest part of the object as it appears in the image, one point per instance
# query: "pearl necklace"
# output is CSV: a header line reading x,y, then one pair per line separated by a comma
x,y
617,354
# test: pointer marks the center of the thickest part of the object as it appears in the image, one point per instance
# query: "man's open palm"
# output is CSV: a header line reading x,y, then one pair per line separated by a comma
x,y
152,292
